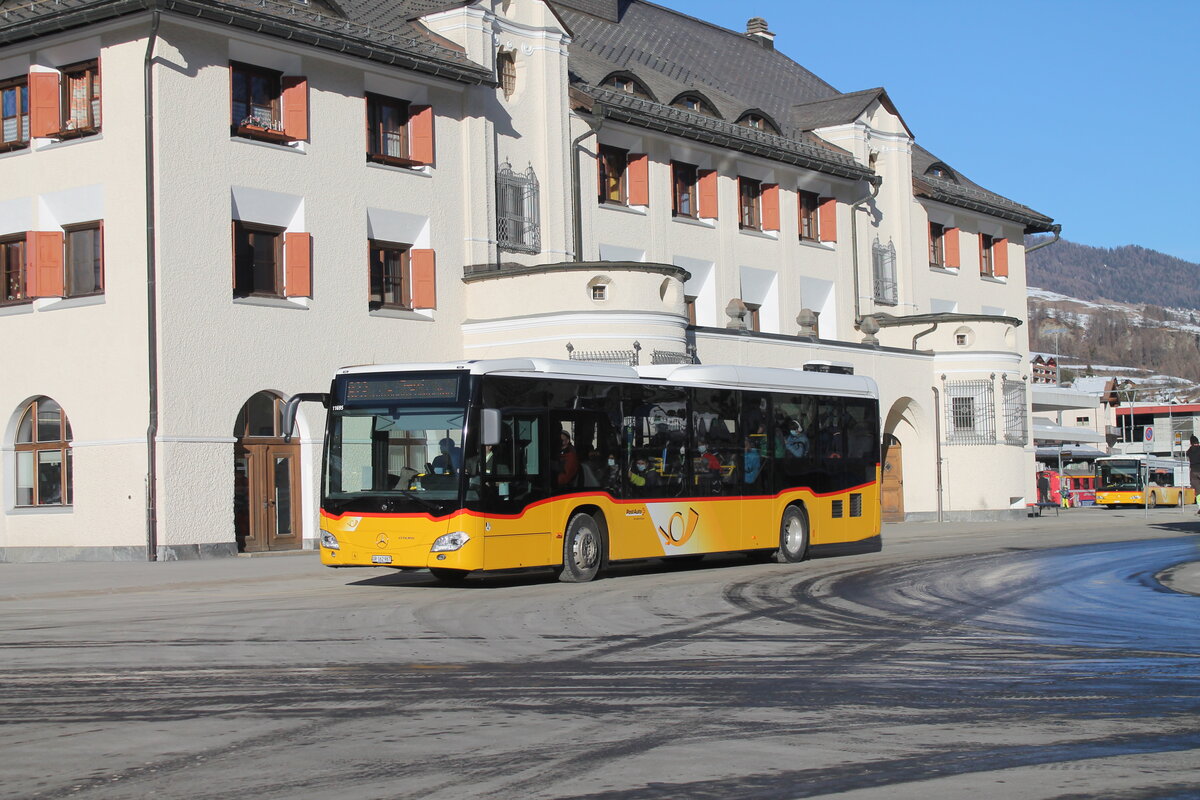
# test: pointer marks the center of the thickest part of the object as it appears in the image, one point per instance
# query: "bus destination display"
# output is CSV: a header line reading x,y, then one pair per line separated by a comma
x,y
400,389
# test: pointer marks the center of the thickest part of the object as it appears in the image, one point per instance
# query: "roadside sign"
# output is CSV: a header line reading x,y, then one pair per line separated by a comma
x,y
1149,435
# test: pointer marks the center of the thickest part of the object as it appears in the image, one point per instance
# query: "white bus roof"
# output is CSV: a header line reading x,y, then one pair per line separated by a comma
x,y
768,378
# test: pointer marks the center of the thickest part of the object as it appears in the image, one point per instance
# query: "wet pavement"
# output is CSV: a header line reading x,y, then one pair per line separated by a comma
x,y
1048,658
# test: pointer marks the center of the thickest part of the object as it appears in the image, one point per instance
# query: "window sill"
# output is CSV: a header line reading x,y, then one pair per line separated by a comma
x,y
16,308
14,147
993,279
40,511
287,145
61,303
294,303
394,161
828,247
53,143
262,134
758,234
711,224
76,133
639,211
425,315
943,270
416,169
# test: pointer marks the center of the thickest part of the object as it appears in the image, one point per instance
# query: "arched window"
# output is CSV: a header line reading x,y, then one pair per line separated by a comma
x,y
696,104
939,170
506,71
43,455
260,418
628,84
758,122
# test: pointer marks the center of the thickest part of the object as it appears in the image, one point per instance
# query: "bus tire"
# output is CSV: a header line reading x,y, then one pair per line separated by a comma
x,y
793,536
1152,500
448,575
583,550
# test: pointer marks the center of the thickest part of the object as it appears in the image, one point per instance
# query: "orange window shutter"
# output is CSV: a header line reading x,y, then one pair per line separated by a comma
x,y
297,258
1000,258
950,242
827,219
639,179
45,118
770,206
295,106
708,193
420,134
47,267
423,270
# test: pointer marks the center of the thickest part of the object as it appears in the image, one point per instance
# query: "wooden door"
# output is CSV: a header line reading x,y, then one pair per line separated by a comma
x,y
892,490
267,501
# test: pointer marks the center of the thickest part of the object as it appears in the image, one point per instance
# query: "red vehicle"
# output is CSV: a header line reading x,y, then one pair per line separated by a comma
x,y
1082,487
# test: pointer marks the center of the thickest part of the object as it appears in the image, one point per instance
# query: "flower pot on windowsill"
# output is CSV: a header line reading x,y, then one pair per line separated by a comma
x,y
76,133
252,130
394,161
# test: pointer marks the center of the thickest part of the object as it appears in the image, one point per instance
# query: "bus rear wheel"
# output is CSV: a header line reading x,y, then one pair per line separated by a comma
x,y
793,536
583,550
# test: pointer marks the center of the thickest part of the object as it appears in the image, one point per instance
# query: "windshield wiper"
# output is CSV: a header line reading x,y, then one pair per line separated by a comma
x,y
421,501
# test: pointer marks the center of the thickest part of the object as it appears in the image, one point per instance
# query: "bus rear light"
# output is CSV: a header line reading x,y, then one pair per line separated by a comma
x,y
329,541
450,542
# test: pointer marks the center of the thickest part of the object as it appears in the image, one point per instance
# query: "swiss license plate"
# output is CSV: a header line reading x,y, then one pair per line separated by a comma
x,y
381,559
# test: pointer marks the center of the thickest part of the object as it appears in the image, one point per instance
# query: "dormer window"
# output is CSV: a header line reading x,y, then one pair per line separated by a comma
x,y
757,122
627,84
695,104
940,170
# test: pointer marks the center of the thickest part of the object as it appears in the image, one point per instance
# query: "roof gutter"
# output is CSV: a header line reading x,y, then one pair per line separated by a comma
x,y
1056,230
875,181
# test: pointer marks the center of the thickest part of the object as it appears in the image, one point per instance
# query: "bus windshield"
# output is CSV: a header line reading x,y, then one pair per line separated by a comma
x,y
1117,476
394,459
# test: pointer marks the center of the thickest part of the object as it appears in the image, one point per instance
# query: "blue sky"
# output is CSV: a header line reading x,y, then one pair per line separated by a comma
x,y
1081,109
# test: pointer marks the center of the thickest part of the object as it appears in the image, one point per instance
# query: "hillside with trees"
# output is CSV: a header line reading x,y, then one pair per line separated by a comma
x,y
1124,306
1128,274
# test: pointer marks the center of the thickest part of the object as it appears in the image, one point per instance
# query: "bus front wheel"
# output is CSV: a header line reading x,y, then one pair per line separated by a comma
x,y
793,536
583,550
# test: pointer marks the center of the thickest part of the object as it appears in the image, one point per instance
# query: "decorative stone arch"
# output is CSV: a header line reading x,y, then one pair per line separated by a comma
x,y
902,423
267,494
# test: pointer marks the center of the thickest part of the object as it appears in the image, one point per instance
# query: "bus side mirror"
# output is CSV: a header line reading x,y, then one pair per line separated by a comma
x,y
289,410
490,426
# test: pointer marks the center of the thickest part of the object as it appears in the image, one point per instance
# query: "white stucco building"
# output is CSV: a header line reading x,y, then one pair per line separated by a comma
x,y
207,206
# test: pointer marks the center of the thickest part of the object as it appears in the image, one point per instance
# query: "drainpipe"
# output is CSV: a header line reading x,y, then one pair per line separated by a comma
x,y
594,124
937,440
925,332
1056,230
151,301
875,181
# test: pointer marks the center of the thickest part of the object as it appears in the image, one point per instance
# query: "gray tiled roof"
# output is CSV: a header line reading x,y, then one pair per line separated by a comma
x,y
962,192
672,53
380,30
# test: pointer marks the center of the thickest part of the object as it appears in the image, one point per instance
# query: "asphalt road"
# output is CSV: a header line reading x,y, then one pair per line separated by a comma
x,y
1041,659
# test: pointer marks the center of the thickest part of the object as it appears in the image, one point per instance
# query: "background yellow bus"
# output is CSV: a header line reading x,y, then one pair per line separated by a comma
x,y
1142,480
525,463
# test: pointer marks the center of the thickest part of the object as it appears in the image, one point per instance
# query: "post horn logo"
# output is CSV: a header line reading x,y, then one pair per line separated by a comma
x,y
677,532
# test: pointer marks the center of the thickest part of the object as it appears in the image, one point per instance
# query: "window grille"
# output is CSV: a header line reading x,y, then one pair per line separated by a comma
x,y
1015,431
970,412
518,219
883,263
856,505
836,509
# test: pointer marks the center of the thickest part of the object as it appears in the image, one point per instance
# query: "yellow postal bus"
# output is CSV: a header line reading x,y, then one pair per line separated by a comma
x,y
524,463
1142,480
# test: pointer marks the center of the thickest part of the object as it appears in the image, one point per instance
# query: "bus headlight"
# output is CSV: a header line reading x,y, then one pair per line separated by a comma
x,y
450,542
328,540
